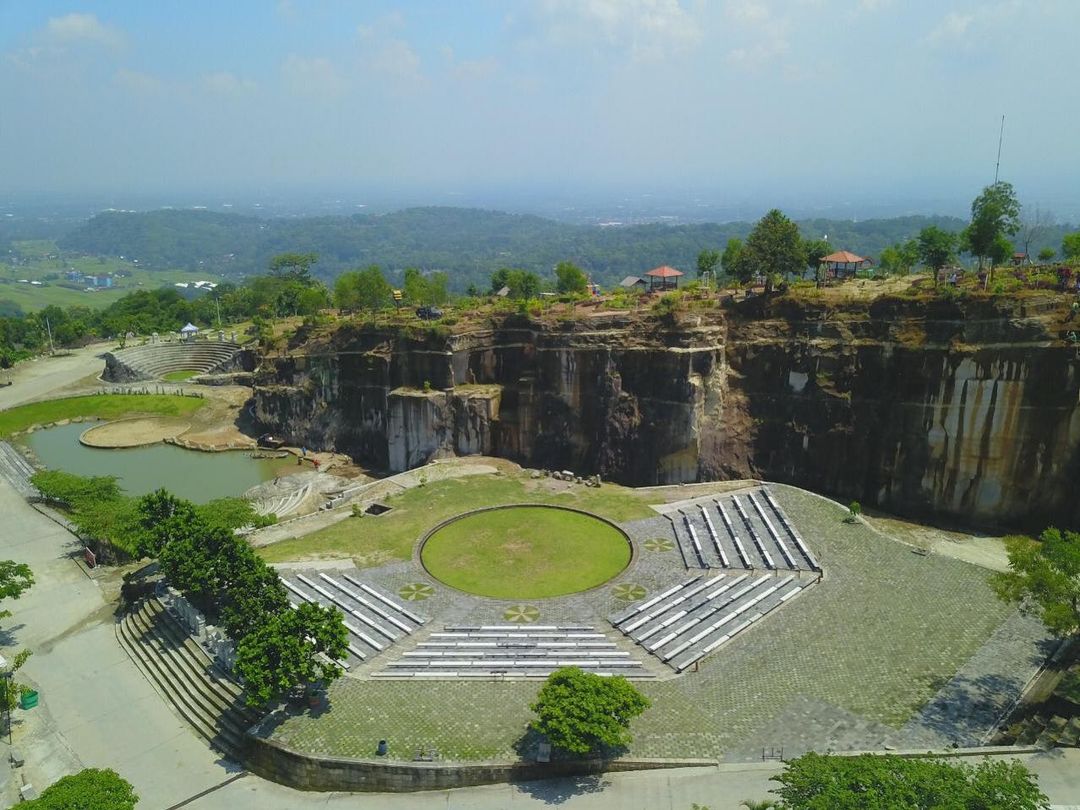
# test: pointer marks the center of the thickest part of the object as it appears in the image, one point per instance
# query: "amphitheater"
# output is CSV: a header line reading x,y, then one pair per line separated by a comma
x,y
750,615
155,360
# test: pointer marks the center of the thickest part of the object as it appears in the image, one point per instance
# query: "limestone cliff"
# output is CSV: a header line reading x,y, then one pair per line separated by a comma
x,y
965,409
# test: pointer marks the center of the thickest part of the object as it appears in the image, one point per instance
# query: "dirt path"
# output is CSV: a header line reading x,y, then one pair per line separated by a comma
x,y
40,378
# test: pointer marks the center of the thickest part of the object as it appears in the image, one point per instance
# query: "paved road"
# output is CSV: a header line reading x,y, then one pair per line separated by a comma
x,y
35,379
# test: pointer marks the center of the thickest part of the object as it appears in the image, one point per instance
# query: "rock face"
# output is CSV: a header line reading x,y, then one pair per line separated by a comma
x,y
965,409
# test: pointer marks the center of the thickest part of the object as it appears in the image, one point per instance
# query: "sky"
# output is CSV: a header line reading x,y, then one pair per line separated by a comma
x,y
748,99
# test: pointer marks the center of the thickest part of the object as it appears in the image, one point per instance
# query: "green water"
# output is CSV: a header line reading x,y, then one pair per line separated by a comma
x,y
190,474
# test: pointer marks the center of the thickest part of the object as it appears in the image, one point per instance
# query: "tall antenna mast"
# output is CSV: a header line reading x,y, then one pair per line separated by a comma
x,y
1001,136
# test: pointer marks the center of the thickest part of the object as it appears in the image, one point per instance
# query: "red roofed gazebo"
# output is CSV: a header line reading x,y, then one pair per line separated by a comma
x,y
843,264
663,278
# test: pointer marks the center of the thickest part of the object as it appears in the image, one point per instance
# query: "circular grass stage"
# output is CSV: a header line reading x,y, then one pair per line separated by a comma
x,y
525,552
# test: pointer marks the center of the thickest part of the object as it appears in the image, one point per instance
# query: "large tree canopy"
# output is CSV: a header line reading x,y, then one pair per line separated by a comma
x,y
291,648
995,214
773,250
872,782
1044,577
579,711
936,247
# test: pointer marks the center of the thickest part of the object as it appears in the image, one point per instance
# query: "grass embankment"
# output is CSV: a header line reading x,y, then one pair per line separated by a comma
x,y
373,541
526,552
101,406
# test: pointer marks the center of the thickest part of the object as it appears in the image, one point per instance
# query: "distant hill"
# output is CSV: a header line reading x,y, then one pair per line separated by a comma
x,y
469,244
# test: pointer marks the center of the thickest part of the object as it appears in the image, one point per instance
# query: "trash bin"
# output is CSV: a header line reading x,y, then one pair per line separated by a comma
x,y
382,748
28,700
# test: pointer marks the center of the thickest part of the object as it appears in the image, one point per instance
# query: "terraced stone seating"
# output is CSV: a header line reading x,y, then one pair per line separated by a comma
x,y
374,620
688,621
286,504
513,651
182,672
747,531
155,360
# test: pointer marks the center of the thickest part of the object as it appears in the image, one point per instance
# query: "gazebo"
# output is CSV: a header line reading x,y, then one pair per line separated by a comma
x,y
663,278
843,264
189,332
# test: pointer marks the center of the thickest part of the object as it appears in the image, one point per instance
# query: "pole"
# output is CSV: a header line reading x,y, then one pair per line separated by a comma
x,y
48,328
1001,136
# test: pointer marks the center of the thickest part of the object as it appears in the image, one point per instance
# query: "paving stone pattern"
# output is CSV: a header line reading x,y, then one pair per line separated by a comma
x,y
859,654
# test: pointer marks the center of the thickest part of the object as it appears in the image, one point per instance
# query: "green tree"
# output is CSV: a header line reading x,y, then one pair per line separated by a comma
x,y
1070,246
90,789
936,248
730,256
363,289
773,250
579,711
995,213
816,250
522,283
1047,254
15,580
707,262
425,290
292,648
569,278
1001,250
825,782
162,518
293,266
900,257
1044,578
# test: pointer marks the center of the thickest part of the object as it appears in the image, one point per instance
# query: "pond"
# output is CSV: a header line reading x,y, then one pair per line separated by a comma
x,y
190,474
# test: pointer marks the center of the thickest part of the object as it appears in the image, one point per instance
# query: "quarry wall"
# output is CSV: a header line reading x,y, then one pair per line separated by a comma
x,y
964,409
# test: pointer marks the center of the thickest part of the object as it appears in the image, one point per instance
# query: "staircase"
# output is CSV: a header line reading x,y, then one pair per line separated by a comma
x,y
17,471
184,674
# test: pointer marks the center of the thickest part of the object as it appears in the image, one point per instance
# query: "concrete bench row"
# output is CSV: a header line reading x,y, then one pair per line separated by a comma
x,y
740,531
503,649
374,620
692,619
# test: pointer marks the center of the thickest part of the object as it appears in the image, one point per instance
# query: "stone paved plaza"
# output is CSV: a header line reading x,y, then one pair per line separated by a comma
x,y
891,648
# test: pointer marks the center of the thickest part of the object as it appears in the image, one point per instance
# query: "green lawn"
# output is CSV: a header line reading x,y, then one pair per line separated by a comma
x,y
180,376
36,265
102,406
526,552
372,541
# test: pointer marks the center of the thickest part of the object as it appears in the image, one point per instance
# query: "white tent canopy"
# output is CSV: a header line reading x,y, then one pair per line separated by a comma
x,y
190,329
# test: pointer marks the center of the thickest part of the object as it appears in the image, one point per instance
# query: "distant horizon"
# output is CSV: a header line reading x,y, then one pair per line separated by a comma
x,y
594,207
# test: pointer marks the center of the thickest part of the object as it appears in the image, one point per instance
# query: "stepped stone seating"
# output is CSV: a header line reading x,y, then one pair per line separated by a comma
x,y
286,504
690,620
155,360
16,470
203,695
747,531
513,651
374,620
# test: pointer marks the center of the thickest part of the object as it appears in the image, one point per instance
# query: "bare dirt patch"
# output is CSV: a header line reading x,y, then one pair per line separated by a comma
x,y
134,432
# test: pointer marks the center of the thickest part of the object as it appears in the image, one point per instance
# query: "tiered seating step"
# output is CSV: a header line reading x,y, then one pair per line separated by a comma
x,y
513,651
688,621
374,620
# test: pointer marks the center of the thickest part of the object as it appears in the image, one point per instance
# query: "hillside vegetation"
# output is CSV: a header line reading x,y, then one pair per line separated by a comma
x,y
468,244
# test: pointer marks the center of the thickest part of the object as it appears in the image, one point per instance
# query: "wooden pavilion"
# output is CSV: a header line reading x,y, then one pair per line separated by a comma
x,y
844,264
663,278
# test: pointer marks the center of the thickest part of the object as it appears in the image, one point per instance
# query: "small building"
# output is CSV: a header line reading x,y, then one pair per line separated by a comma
x,y
189,332
1020,258
663,278
632,283
844,264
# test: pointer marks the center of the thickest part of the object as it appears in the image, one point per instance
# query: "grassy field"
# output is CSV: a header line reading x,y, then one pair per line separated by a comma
x,y
373,541
42,261
102,406
526,552
180,376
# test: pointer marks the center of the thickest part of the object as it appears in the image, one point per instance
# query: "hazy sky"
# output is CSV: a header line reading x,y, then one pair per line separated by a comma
x,y
749,97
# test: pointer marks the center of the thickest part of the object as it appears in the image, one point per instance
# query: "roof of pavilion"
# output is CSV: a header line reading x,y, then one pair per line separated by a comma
x,y
844,257
664,272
